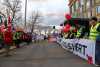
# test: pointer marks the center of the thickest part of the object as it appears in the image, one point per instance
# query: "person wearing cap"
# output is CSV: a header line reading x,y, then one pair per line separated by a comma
x,y
95,35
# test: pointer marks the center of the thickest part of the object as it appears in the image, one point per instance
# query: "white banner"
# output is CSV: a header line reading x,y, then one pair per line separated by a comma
x,y
82,47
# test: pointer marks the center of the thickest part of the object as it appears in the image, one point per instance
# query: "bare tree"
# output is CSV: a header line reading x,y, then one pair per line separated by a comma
x,y
2,14
35,20
13,6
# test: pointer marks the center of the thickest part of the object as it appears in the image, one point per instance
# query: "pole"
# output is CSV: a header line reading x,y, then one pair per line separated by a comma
x,y
91,6
25,11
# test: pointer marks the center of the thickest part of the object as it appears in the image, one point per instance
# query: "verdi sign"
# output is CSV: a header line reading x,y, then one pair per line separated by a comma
x,y
80,47
74,47
77,47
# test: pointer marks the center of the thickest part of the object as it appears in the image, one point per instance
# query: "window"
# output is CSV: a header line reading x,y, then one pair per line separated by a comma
x,y
88,4
77,4
85,5
81,2
74,6
98,9
89,14
72,9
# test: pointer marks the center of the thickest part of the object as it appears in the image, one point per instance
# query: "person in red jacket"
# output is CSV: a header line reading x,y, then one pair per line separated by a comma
x,y
7,41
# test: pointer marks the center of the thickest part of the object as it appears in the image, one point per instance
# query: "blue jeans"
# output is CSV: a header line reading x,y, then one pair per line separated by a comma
x,y
97,51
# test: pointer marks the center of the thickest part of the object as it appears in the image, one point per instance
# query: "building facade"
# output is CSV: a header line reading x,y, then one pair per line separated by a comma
x,y
84,8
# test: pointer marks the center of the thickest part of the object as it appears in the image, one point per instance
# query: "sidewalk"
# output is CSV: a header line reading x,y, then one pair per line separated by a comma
x,y
12,47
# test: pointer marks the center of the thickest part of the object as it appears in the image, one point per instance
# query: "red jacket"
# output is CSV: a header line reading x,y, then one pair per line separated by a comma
x,y
8,37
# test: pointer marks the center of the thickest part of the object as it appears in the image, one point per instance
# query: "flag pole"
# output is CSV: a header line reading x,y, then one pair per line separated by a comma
x,y
25,11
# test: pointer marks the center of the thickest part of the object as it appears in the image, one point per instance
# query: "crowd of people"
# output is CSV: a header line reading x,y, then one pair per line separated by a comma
x,y
8,39
91,32
39,37
83,31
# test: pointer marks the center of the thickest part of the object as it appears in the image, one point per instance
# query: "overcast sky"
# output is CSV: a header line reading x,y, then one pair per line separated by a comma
x,y
52,10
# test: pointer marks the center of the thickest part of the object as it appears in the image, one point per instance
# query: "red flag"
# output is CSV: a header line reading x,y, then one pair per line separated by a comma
x,y
9,19
9,24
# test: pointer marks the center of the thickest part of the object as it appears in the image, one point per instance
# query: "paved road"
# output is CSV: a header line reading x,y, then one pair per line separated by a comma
x,y
42,55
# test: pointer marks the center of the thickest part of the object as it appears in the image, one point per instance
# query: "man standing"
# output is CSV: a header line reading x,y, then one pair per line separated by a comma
x,y
94,31
7,41
95,35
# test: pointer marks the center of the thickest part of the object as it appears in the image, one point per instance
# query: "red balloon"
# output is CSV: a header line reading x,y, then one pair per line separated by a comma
x,y
67,28
68,16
